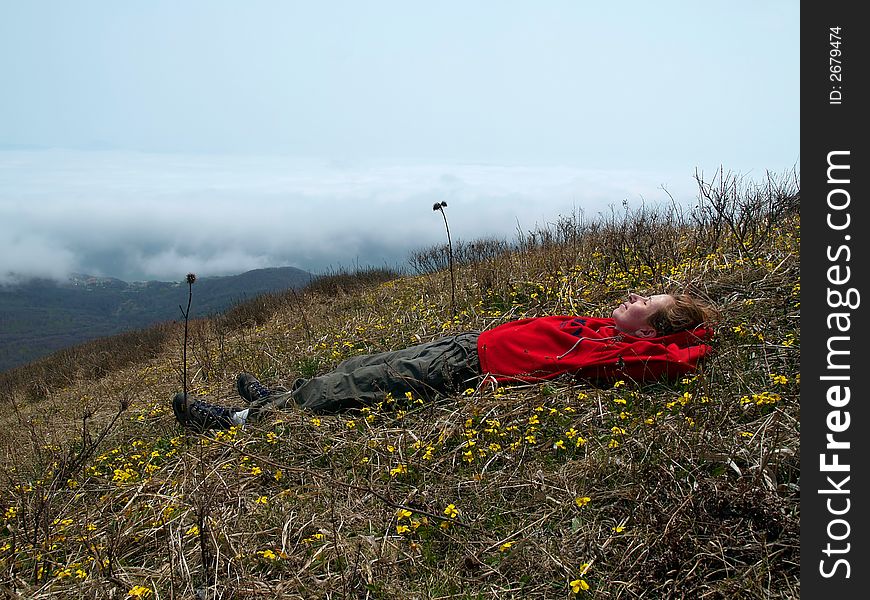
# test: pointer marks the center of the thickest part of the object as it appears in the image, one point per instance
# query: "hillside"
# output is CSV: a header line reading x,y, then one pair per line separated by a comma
x,y
38,317
676,489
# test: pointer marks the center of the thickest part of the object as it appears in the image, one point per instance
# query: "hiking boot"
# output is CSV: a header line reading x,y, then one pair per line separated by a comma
x,y
250,388
201,416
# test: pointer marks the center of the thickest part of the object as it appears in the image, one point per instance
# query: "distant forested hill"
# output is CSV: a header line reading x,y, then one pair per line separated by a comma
x,y
38,317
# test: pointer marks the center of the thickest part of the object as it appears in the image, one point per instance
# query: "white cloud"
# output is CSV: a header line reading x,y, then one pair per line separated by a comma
x,y
31,255
171,261
139,216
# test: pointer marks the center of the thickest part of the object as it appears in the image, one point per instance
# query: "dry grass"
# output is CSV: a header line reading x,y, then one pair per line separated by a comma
x,y
687,489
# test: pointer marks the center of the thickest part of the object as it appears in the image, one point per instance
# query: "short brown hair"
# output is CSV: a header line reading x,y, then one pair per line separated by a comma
x,y
685,312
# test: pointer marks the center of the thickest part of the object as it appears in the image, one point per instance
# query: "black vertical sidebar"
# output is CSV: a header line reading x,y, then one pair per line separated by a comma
x,y
835,300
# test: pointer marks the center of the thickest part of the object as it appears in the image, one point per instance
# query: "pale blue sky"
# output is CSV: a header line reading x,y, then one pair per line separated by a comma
x,y
117,117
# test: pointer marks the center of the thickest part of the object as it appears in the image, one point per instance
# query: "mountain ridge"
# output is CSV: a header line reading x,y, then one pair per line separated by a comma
x,y
40,316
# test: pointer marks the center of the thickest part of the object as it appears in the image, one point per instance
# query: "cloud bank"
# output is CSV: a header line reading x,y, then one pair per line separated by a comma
x,y
154,216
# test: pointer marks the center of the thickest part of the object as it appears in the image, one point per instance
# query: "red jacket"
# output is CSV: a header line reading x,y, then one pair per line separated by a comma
x,y
542,348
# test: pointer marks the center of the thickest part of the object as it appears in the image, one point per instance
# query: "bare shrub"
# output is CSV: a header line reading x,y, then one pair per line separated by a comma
x,y
343,281
730,204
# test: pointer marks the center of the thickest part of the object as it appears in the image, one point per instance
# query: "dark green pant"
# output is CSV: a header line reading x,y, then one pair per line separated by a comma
x,y
441,367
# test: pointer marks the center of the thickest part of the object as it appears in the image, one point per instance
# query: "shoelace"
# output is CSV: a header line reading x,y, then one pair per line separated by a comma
x,y
260,391
210,410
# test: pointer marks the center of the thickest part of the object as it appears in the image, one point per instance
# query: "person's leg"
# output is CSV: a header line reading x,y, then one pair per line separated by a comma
x,y
443,366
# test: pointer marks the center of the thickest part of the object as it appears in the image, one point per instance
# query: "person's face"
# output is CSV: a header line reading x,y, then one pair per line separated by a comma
x,y
632,316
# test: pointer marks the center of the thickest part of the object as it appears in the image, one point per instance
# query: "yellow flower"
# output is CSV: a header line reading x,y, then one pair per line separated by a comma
x,y
505,547
618,529
398,469
403,513
560,445
139,591
262,500
579,584
268,554
316,422
194,530
612,444
402,529
582,501
451,511
494,425
255,470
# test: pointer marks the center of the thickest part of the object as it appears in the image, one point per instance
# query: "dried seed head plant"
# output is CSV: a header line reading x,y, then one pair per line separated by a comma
x,y
440,206
191,279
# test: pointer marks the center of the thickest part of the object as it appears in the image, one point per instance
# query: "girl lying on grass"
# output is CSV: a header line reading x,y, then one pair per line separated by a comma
x,y
646,338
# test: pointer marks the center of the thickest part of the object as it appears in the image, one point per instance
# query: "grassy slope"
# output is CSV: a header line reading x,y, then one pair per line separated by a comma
x,y
685,490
